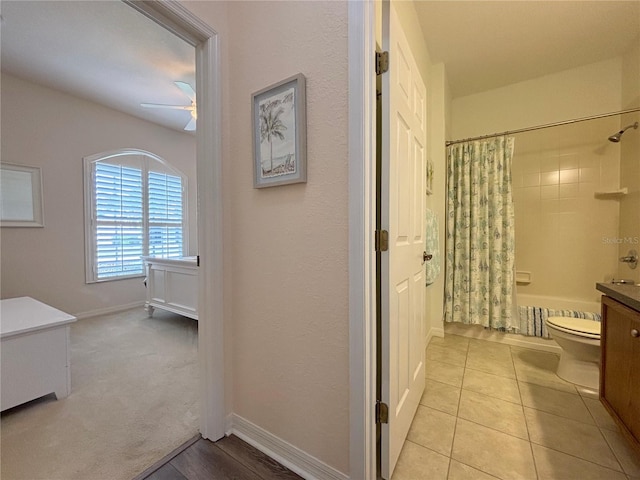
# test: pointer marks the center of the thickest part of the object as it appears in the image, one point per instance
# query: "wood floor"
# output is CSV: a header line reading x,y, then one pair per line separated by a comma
x,y
226,459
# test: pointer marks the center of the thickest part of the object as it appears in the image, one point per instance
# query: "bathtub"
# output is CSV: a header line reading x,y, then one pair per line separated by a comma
x,y
539,342
533,310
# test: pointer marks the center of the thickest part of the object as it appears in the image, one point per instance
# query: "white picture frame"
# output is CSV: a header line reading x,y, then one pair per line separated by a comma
x,y
280,133
21,196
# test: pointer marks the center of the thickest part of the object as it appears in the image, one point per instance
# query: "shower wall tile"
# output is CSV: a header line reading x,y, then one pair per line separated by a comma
x,y
569,176
570,190
549,192
550,178
531,179
588,174
560,225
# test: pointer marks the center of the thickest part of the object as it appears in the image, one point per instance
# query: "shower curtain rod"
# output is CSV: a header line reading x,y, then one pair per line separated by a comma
x,y
539,127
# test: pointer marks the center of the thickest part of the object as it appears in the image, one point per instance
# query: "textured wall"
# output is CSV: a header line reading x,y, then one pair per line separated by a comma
x,y
289,244
52,130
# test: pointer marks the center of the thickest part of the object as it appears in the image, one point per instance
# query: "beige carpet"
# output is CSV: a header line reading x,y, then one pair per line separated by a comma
x,y
134,398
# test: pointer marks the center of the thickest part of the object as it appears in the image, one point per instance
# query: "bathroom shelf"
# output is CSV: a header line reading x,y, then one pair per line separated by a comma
x,y
621,192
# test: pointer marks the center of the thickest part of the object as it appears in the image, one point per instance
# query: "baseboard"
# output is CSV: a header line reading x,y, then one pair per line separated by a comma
x,y
477,331
290,456
108,310
434,332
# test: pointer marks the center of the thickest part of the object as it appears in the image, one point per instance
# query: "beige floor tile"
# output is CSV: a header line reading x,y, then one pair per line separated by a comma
x,y
455,342
417,462
493,452
441,396
530,374
569,436
432,429
446,355
554,401
493,413
587,392
491,362
444,372
535,359
492,385
497,349
460,471
554,465
600,414
628,458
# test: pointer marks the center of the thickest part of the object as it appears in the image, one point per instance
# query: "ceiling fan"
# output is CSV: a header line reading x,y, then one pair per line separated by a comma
x,y
189,92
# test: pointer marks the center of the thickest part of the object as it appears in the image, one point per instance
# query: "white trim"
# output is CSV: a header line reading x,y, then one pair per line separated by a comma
x,y
108,310
296,460
481,333
362,266
178,19
434,332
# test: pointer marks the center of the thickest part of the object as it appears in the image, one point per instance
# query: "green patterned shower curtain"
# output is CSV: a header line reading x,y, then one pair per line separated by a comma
x,y
480,248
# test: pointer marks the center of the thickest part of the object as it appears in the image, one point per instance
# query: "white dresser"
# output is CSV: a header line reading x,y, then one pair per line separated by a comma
x,y
34,354
172,284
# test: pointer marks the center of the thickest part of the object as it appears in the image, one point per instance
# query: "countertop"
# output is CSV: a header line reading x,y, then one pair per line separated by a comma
x,y
628,295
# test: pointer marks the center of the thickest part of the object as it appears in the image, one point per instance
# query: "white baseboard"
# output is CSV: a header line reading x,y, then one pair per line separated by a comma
x,y
434,332
477,331
290,456
108,310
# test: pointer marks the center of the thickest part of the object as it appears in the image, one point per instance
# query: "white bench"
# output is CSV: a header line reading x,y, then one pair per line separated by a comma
x,y
34,351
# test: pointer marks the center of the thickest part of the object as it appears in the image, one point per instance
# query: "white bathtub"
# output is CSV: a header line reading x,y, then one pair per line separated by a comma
x,y
538,343
557,303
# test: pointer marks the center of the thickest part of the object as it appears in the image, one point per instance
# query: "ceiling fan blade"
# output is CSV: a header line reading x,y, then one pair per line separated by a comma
x,y
191,126
187,90
174,107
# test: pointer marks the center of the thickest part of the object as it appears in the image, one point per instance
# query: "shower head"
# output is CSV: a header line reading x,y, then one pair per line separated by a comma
x,y
616,138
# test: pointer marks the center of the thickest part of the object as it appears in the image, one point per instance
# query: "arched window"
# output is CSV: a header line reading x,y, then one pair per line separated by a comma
x,y
135,206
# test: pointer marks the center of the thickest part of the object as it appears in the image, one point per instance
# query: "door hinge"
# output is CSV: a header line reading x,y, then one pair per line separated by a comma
x,y
382,412
382,240
382,62
197,260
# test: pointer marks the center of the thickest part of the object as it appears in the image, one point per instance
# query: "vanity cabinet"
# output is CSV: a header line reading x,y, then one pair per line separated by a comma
x,y
620,367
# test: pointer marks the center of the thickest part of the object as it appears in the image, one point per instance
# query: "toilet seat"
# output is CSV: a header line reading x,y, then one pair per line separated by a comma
x,y
576,326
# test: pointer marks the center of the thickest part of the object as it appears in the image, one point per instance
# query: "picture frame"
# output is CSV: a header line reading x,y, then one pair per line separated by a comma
x,y
429,177
20,196
280,133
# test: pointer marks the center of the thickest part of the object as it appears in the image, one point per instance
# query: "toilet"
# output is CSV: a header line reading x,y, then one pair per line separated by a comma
x,y
580,343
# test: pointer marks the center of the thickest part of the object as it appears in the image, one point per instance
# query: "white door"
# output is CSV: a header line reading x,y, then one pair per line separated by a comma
x,y
403,203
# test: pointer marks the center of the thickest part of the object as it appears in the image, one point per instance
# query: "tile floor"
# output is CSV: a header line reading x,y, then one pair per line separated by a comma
x,y
495,411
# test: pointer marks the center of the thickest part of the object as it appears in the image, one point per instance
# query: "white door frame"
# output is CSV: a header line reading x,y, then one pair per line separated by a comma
x,y
177,19
362,222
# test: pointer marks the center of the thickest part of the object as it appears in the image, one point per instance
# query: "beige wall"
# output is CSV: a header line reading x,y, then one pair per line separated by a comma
x,y
560,226
629,234
52,130
288,245
574,93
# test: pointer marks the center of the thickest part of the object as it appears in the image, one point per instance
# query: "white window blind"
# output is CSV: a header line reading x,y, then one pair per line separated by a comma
x,y
165,215
136,209
119,221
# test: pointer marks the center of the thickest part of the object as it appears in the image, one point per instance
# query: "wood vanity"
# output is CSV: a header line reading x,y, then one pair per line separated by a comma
x,y
620,357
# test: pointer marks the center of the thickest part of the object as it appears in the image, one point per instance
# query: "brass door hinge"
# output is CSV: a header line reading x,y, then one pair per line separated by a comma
x,y
382,241
382,62
382,412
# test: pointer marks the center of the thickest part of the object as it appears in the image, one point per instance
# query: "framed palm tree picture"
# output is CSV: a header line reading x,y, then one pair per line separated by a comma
x,y
280,133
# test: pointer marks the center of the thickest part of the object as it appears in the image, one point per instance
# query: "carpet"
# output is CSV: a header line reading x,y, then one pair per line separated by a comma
x,y
134,398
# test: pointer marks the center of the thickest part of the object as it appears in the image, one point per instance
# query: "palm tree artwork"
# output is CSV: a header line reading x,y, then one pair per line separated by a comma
x,y
276,126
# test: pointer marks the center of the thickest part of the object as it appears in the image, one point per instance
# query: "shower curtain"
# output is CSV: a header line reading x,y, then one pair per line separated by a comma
x,y
480,249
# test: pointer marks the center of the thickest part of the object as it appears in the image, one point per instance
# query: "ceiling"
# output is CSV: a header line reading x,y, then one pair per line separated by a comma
x,y
108,53
103,51
489,44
